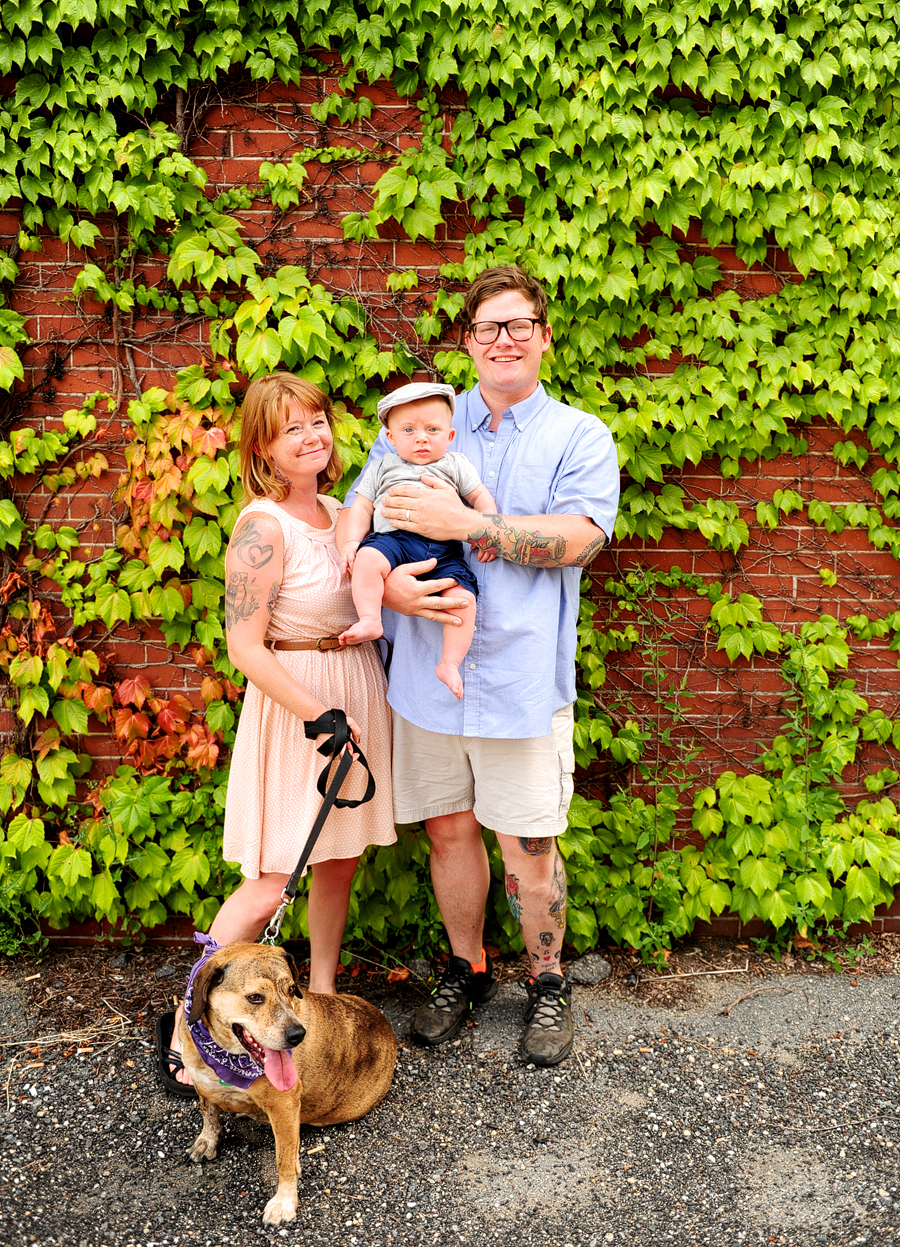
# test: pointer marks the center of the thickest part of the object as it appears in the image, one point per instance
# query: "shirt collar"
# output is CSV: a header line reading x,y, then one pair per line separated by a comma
x,y
522,413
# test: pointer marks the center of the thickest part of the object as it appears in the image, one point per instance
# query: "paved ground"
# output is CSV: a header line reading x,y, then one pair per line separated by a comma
x,y
758,1106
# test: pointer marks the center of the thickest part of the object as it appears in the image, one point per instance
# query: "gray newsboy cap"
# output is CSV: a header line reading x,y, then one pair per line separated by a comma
x,y
412,392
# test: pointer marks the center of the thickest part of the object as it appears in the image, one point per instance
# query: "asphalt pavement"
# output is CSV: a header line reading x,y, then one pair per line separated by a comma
x,y
729,1106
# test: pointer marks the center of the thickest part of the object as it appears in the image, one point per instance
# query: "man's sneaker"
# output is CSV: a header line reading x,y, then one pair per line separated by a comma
x,y
549,1030
460,989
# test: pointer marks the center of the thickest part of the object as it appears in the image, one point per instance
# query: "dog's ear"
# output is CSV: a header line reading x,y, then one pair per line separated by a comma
x,y
208,977
293,967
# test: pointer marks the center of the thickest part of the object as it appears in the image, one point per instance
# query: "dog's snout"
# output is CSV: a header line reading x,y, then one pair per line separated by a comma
x,y
295,1034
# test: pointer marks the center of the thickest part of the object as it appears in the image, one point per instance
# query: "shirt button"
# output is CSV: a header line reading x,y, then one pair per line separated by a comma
x,y
471,666
490,474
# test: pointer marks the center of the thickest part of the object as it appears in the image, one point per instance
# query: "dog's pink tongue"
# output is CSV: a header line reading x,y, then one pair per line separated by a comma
x,y
280,1069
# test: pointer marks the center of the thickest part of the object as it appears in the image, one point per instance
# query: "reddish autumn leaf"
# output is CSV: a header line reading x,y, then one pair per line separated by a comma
x,y
133,692
98,700
48,739
12,582
399,974
168,480
232,692
210,690
142,490
64,837
172,717
179,428
167,746
131,726
354,969
203,750
128,539
146,752
208,441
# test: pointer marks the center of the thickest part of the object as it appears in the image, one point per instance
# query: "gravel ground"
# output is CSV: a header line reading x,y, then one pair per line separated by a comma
x,y
740,1102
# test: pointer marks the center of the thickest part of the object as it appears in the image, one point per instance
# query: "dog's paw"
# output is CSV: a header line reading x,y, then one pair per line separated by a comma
x,y
281,1207
204,1148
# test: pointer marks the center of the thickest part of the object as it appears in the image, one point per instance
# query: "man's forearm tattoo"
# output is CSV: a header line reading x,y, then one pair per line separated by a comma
x,y
592,549
517,545
558,893
273,597
247,545
241,600
535,846
513,897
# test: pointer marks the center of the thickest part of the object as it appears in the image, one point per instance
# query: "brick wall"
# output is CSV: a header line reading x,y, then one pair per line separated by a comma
x,y
78,349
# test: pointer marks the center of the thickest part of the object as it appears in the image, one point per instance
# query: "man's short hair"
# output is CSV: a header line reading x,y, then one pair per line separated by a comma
x,y
493,281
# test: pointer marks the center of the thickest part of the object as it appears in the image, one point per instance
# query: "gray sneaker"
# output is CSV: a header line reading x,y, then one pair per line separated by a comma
x,y
459,990
549,1030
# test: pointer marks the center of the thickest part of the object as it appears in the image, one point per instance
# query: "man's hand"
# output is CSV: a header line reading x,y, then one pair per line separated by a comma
x,y
436,513
408,596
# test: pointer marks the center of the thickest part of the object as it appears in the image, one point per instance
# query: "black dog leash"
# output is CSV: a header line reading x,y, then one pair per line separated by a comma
x,y
333,722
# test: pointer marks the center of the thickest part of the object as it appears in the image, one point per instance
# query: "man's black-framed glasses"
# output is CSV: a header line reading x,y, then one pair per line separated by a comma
x,y
520,330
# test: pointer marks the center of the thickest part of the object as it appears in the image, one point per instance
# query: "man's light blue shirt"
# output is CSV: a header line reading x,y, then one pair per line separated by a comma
x,y
544,459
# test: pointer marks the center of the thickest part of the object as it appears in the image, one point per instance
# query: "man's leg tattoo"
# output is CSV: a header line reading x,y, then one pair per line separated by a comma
x,y
536,846
513,897
559,893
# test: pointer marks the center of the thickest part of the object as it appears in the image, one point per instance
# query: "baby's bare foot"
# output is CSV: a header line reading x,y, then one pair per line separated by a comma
x,y
368,629
448,673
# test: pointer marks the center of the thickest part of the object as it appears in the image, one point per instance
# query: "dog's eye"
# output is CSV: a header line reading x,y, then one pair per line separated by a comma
x,y
256,999
292,991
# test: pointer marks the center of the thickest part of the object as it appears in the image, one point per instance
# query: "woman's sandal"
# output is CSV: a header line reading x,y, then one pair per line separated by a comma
x,y
168,1061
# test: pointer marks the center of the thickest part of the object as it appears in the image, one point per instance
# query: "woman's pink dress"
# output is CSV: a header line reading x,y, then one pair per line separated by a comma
x,y
272,796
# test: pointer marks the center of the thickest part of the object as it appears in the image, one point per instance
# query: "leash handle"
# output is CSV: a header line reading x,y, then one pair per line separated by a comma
x,y
338,747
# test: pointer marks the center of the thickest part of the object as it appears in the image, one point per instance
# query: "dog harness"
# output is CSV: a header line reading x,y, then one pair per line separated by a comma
x,y
237,1070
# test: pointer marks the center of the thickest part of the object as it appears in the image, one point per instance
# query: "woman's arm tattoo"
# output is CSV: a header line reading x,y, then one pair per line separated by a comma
x,y
273,597
517,545
241,600
247,545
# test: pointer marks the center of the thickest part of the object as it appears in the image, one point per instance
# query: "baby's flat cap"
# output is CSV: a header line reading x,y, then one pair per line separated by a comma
x,y
411,393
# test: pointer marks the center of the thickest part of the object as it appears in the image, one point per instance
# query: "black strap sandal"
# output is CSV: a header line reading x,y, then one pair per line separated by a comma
x,y
169,1062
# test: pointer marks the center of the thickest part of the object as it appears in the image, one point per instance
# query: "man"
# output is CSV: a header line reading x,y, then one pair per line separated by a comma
x,y
501,757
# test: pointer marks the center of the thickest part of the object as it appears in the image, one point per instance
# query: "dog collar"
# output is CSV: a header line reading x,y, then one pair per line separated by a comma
x,y
237,1070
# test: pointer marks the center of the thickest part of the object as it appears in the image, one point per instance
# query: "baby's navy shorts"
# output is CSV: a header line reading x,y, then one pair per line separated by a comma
x,y
400,547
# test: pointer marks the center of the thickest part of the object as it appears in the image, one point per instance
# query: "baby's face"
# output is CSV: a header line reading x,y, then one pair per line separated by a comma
x,y
420,431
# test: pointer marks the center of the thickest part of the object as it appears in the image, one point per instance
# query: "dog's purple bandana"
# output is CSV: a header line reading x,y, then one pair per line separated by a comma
x,y
238,1070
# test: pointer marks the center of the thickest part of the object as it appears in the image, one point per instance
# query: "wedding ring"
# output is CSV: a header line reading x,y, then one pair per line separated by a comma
x,y
407,515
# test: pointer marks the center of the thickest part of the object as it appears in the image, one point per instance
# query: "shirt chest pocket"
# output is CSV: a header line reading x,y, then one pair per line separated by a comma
x,y
530,490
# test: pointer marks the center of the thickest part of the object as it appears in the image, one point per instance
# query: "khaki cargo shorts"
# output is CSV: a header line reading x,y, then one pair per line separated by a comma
x,y
516,787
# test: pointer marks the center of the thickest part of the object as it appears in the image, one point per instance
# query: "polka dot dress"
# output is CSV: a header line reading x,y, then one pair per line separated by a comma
x,y
272,797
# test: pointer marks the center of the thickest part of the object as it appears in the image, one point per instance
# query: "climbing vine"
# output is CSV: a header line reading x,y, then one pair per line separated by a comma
x,y
710,194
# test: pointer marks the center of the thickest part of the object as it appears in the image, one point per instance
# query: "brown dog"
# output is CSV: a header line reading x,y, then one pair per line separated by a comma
x,y
343,1059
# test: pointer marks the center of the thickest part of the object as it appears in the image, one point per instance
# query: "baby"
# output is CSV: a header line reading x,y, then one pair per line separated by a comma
x,y
417,420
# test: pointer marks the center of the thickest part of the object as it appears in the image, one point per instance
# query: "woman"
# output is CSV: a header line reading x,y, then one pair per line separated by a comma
x,y
283,585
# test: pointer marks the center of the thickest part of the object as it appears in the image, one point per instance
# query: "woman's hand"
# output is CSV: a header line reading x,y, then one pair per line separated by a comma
x,y
354,732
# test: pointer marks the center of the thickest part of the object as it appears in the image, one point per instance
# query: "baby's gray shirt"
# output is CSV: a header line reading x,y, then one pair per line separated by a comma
x,y
391,470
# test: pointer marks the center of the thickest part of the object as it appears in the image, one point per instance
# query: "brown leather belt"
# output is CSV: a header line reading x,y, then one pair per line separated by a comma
x,y
320,643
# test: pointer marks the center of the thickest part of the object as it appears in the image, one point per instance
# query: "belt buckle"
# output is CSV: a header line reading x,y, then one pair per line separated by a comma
x,y
327,643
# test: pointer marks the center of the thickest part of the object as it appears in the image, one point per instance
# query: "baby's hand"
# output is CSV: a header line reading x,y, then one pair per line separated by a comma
x,y
485,556
348,556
